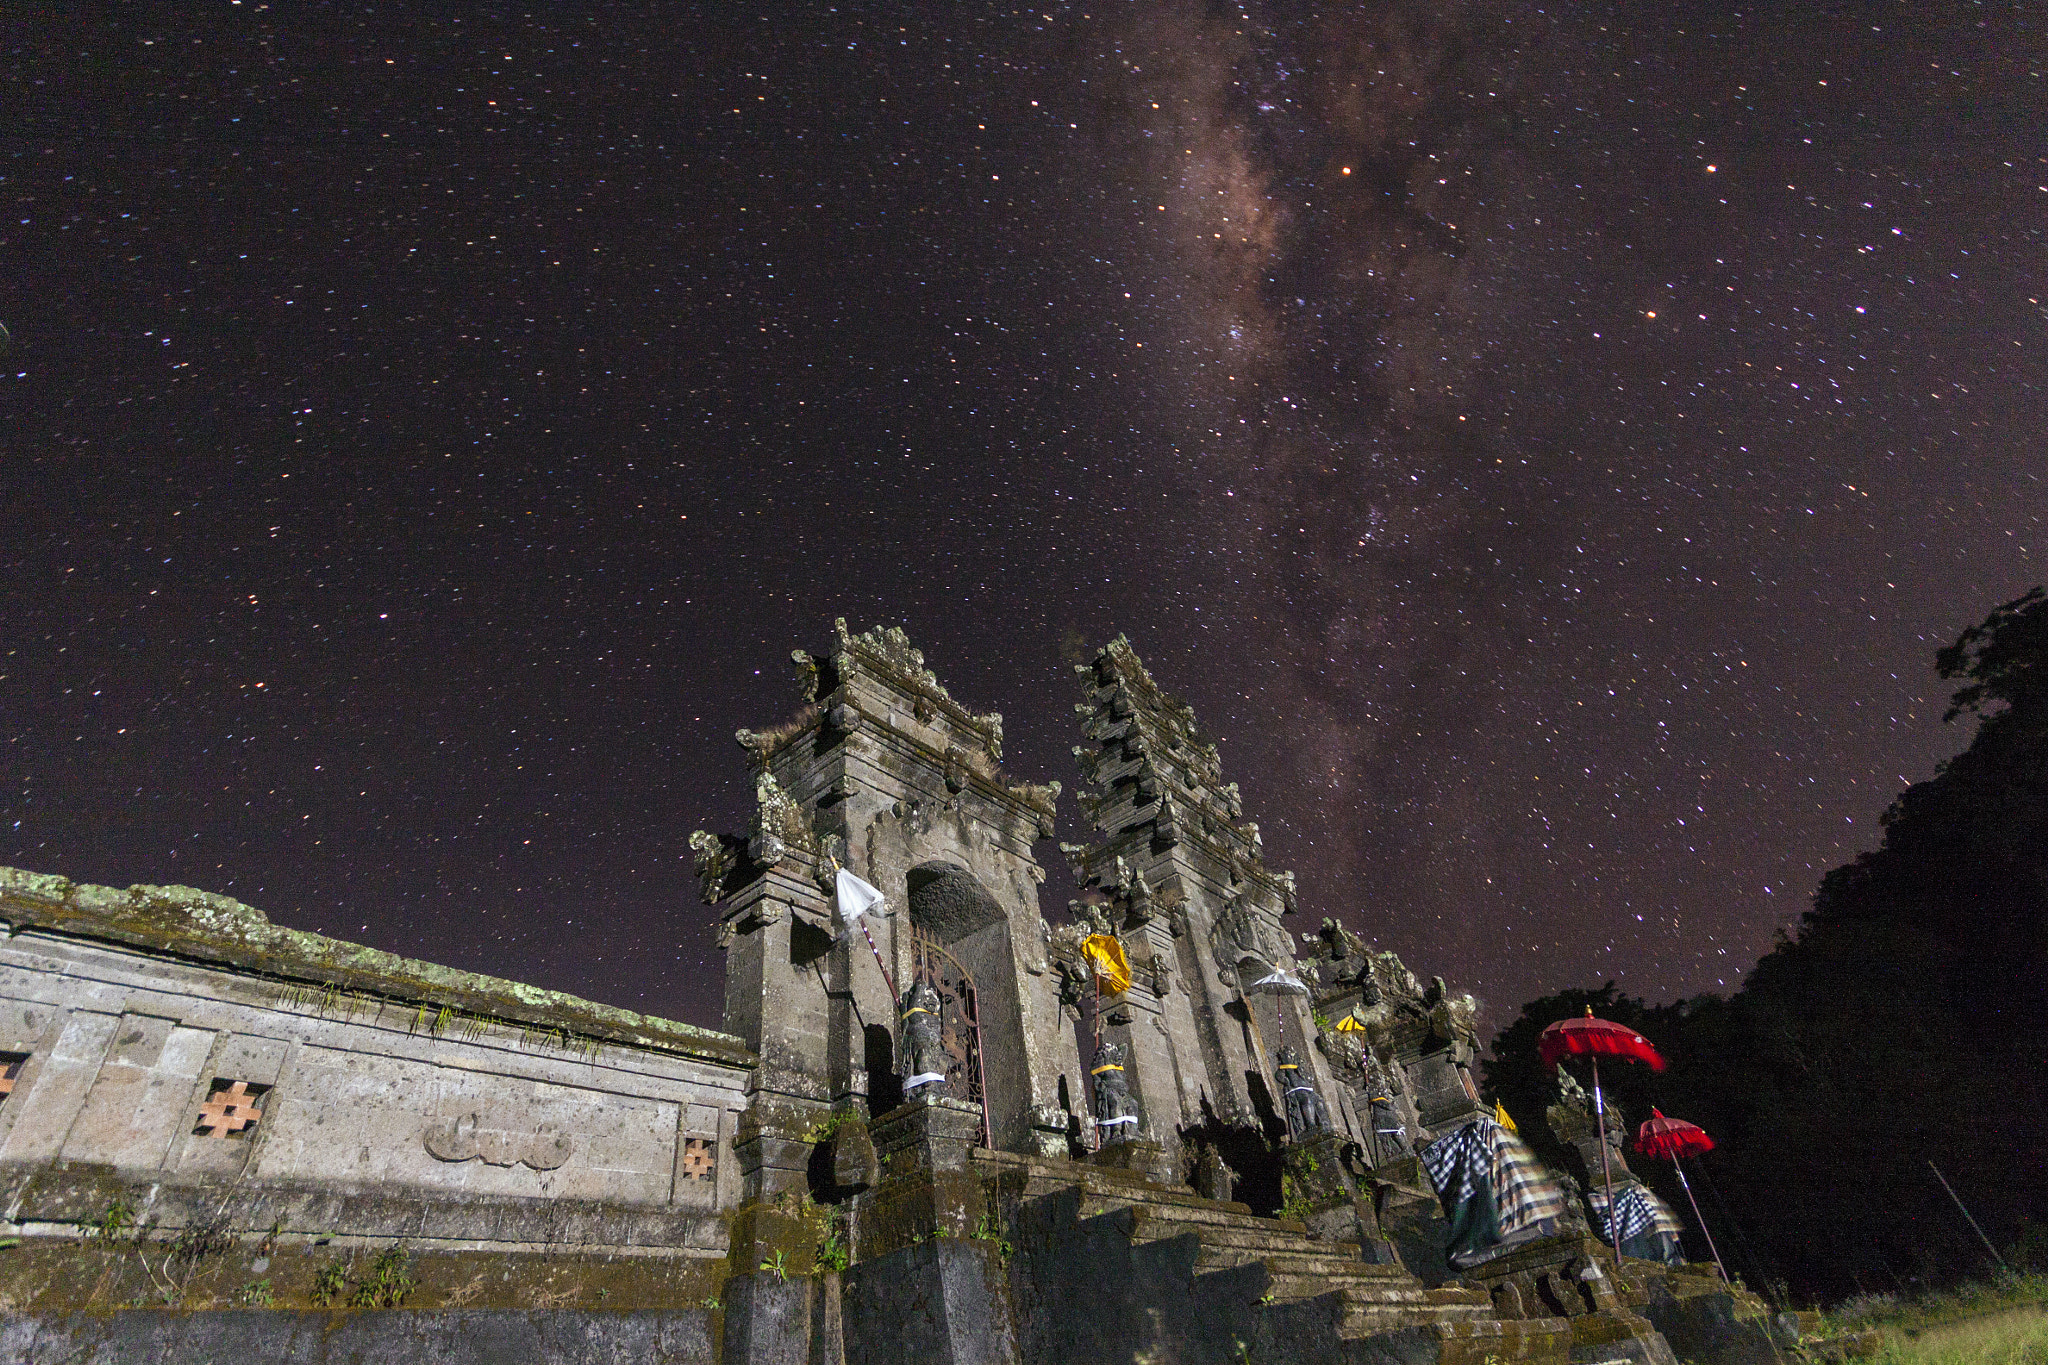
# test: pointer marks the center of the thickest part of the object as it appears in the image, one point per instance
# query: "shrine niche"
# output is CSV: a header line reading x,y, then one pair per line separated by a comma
x,y
960,943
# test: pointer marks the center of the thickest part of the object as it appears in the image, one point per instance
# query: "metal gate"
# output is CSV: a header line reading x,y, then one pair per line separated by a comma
x,y
959,1020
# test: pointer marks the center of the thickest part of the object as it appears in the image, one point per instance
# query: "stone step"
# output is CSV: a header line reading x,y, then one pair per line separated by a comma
x,y
1359,1320
1174,1204
1226,1250
1150,1222
1146,1226
1530,1341
1347,1270
1292,1286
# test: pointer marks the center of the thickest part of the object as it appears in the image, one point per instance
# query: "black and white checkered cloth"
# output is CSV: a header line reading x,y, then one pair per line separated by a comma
x,y
1523,1192
1637,1210
1453,1159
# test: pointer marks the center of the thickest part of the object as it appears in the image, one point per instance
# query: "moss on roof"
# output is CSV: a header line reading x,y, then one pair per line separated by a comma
x,y
202,926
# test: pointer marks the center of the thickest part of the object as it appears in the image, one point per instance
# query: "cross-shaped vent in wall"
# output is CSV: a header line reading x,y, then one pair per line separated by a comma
x,y
700,1158
232,1110
10,1070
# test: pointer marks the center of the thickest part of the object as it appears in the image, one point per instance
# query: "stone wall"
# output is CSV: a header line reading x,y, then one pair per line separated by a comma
x,y
174,1055
473,1337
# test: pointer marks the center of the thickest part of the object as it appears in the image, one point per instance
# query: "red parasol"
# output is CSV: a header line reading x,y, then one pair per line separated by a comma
x,y
1597,1038
1676,1138
1672,1137
1593,1039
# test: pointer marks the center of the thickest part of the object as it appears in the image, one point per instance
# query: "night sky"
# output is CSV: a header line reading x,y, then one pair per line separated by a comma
x,y
1545,445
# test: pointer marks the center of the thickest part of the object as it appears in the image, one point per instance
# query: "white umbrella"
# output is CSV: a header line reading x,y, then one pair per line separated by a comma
x,y
856,898
1279,983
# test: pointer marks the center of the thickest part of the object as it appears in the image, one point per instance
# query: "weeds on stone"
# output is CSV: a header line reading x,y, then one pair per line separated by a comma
x,y
330,1284
777,1265
833,1251
390,1281
118,1217
990,1230
1293,1200
257,1295
827,1128
184,1256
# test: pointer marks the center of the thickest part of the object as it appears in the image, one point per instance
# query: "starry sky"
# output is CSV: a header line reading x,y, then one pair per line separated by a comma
x,y
1545,443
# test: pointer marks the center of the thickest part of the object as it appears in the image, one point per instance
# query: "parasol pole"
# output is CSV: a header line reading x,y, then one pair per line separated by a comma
x,y
1095,1129
887,980
1606,1173
1966,1214
895,1001
1711,1248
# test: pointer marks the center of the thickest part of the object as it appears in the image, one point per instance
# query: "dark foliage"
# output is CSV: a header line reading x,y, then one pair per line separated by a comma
x,y
1906,1021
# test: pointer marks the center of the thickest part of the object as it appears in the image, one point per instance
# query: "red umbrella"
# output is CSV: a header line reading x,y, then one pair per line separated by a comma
x,y
1596,1038
1672,1137
1676,1138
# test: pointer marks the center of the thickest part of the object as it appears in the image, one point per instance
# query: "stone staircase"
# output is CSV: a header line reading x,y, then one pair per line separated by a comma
x,y
1366,1299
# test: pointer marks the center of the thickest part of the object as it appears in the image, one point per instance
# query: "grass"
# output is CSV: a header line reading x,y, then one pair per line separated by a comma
x,y
1996,1322
2012,1336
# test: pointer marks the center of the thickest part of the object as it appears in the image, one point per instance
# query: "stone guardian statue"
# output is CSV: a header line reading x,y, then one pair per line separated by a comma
x,y
921,1054
1305,1110
1115,1117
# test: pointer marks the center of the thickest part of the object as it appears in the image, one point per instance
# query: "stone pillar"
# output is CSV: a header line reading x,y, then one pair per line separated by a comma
x,y
927,1286
927,1187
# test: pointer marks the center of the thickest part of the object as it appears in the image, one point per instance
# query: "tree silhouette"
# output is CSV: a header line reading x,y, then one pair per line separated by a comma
x,y
1906,1021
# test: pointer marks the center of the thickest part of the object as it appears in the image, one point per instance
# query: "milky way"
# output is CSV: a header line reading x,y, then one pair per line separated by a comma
x,y
1545,445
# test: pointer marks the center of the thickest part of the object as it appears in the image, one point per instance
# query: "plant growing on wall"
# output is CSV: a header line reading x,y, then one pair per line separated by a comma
x,y
329,1284
390,1281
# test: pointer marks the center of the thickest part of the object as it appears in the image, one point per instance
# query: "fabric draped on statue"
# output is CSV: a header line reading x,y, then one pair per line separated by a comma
x,y
1648,1228
1494,1191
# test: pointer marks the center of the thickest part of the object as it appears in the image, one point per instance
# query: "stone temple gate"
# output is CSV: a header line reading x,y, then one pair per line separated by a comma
x,y
884,773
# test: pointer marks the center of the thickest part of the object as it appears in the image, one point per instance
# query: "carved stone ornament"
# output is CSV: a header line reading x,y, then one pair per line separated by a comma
x,y
807,673
1239,933
497,1141
889,647
779,824
717,856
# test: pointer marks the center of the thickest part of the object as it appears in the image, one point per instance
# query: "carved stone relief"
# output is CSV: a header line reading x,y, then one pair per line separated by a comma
x,y
483,1136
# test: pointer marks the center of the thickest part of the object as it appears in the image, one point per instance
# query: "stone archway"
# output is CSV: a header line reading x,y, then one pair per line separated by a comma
x,y
951,906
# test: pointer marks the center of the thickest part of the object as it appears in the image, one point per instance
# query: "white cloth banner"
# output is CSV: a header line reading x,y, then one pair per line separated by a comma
x,y
856,897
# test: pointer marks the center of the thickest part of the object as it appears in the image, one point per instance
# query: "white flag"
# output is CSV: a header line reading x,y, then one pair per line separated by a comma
x,y
856,897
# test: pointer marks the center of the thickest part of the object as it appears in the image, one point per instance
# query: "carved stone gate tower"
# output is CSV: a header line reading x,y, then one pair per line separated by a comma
x,y
1181,875
882,772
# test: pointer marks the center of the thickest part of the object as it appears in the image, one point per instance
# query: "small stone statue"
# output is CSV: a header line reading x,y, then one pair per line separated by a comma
x,y
921,1055
1115,1118
1305,1111
1389,1133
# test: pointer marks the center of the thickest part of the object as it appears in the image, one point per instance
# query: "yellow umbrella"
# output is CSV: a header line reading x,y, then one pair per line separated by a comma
x,y
1112,968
